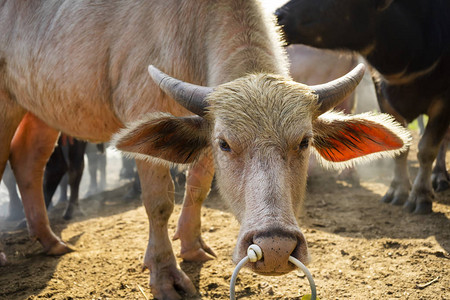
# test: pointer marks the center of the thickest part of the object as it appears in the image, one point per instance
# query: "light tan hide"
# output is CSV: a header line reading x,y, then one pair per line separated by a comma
x,y
80,66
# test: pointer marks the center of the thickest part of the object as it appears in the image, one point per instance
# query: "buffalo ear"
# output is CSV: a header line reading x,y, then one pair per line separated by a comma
x,y
179,140
383,4
345,139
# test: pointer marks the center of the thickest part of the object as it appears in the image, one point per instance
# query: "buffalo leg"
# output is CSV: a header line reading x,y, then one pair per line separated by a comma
x,y
101,157
10,116
63,187
15,204
76,167
158,199
92,161
96,158
400,187
64,183
198,185
55,170
440,177
421,196
31,147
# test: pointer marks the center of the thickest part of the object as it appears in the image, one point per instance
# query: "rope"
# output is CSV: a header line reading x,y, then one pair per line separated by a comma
x,y
254,253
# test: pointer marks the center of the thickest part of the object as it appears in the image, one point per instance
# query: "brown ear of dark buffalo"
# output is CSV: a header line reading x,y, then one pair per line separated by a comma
x,y
190,96
334,92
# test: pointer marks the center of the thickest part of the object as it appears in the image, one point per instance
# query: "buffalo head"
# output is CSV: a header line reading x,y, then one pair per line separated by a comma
x,y
261,129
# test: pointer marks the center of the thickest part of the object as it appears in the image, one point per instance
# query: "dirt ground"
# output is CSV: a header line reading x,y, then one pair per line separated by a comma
x,y
361,249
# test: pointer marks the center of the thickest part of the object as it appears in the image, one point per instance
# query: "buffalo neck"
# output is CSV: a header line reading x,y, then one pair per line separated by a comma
x,y
409,39
242,40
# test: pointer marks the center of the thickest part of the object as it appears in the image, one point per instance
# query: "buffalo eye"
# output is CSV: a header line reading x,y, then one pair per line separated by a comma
x,y
224,146
303,144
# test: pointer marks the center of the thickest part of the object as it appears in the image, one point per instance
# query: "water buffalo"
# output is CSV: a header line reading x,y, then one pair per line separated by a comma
x,y
81,66
408,44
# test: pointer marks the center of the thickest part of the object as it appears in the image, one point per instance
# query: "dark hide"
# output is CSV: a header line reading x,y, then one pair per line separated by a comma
x,y
409,36
408,44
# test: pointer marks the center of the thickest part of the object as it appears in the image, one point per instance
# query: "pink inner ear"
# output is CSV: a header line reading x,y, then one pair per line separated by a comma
x,y
357,140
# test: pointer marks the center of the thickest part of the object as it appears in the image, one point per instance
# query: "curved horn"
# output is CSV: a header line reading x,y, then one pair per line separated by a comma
x,y
190,96
334,92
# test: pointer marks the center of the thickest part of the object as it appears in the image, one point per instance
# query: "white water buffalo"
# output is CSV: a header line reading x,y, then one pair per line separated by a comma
x,y
81,67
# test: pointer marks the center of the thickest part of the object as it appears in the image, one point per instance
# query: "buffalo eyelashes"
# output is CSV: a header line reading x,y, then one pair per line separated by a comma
x,y
224,146
303,144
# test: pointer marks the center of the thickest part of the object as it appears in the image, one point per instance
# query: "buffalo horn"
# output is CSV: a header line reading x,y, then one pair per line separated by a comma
x,y
190,96
334,92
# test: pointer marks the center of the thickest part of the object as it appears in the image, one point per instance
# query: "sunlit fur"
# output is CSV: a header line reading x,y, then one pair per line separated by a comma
x,y
333,119
263,106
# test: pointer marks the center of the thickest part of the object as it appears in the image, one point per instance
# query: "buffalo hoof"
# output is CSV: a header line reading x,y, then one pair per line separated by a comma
x,y
196,250
73,211
387,198
419,203
197,255
440,181
409,206
59,248
398,193
394,198
3,260
442,186
423,208
167,285
399,199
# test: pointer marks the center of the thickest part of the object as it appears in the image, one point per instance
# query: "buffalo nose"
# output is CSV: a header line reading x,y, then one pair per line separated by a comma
x,y
276,251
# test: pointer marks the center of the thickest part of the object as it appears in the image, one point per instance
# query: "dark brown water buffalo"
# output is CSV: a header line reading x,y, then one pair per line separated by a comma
x,y
408,44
